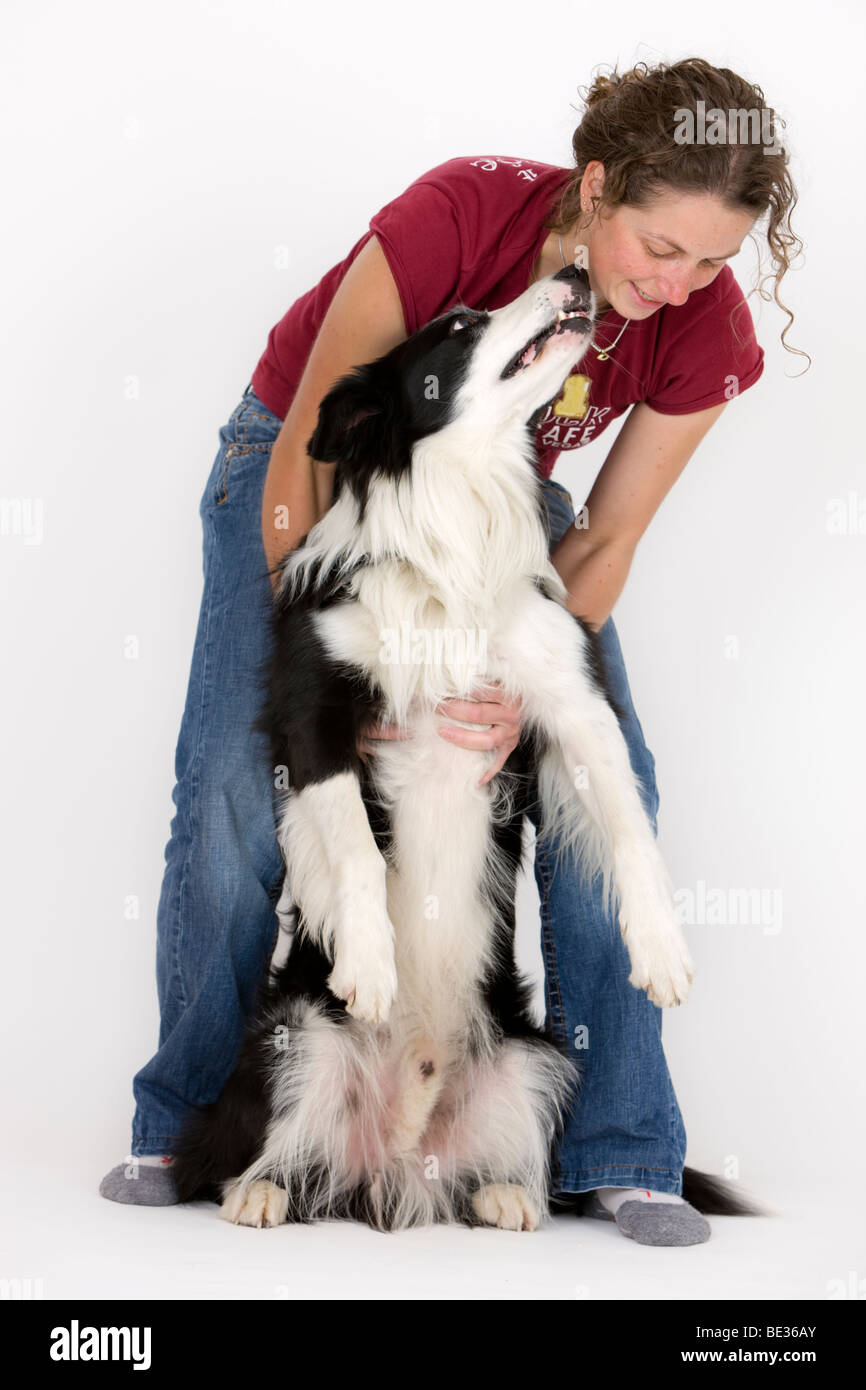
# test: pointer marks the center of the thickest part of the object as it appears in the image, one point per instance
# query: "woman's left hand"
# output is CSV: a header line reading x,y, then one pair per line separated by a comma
x,y
487,705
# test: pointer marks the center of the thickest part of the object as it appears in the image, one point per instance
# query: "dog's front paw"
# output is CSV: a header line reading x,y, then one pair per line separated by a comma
x,y
660,959
367,991
661,964
365,974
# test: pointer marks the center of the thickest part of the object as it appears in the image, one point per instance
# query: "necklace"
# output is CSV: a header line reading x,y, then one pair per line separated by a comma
x,y
602,353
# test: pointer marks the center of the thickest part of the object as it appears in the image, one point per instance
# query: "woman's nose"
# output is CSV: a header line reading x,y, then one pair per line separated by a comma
x,y
676,288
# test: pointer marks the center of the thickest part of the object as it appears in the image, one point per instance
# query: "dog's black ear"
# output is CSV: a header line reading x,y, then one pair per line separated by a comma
x,y
351,423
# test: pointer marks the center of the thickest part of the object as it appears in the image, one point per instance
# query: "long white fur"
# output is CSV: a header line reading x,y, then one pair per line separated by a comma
x,y
455,545
496,1126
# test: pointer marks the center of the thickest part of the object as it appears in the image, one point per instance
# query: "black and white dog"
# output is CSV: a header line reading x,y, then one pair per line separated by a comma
x,y
394,1073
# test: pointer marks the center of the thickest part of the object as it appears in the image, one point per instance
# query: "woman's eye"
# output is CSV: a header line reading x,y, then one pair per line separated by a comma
x,y
662,255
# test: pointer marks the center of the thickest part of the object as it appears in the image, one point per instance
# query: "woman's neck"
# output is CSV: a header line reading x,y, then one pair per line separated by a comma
x,y
549,261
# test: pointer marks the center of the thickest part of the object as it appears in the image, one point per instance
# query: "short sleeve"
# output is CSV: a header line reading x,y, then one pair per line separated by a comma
x,y
708,356
419,232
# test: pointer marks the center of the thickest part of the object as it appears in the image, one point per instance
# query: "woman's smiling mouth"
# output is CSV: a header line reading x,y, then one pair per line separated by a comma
x,y
644,299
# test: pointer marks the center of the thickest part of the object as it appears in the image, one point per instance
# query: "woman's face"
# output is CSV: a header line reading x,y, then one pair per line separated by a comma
x,y
643,258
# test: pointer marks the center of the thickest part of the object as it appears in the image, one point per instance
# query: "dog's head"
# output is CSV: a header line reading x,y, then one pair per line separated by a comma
x,y
487,372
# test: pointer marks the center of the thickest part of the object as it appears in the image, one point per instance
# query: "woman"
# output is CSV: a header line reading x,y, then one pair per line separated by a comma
x,y
674,342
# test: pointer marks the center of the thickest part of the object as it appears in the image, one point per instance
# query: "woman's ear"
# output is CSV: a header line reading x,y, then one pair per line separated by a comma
x,y
350,423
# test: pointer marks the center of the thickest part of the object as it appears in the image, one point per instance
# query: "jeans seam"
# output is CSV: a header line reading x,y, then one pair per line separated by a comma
x,y
648,1167
548,949
254,415
633,1170
194,799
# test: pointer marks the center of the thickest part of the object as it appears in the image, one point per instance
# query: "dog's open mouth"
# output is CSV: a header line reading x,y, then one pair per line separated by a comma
x,y
567,320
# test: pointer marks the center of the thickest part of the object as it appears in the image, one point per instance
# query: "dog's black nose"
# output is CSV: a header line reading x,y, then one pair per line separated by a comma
x,y
578,281
575,275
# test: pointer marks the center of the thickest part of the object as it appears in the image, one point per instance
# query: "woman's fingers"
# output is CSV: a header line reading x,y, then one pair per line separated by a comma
x,y
492,707
371,734
494,710
478,738
471,712
501,718
504,752
388,731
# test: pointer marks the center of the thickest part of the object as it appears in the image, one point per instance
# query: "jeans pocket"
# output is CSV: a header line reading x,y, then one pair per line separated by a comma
x,y
241,464
245,446
253,423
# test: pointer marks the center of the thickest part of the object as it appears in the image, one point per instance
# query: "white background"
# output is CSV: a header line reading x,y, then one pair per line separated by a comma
x,y
157,159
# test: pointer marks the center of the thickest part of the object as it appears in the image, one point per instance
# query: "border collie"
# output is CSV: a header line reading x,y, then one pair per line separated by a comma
x,y
394,1073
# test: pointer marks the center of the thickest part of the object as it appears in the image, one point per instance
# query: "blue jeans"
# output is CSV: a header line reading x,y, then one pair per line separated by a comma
x,y
625,1128
216,922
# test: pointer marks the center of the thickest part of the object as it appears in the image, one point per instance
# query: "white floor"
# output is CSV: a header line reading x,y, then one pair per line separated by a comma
x,y
59,1231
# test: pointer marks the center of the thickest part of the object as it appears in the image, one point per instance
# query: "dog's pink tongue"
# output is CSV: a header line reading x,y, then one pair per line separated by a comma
x,y
529,355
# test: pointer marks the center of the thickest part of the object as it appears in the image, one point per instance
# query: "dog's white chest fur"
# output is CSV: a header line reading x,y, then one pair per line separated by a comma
x,y
426,611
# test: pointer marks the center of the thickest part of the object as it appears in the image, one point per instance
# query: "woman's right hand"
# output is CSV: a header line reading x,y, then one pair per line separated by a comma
x,y
373,733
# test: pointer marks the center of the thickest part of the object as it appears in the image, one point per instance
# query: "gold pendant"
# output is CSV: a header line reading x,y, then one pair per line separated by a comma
x,y
603,357
575,397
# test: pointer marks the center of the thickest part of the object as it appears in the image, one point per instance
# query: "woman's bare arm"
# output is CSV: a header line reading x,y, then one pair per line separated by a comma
x,y
648,455
363,321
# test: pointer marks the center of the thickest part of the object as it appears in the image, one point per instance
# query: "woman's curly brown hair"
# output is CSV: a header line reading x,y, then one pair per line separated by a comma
x,y
629,125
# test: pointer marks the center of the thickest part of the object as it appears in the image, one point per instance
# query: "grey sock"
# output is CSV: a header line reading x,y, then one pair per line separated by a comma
x,y
661,1224
139,1184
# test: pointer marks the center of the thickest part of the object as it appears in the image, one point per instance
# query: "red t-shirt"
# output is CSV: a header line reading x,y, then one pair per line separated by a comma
x,y
468,232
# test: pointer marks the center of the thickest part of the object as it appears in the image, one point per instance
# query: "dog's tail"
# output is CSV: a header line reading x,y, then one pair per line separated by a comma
x,y
716,1196
194,1170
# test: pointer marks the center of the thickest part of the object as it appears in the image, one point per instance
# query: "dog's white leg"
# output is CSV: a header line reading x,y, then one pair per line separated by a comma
x,y
589,792
343,898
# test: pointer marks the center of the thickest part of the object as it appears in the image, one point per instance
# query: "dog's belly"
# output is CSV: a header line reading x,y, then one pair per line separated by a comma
x,y
441,860
443,851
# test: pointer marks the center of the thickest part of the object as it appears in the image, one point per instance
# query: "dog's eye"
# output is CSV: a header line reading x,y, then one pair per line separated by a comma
x,y
459,324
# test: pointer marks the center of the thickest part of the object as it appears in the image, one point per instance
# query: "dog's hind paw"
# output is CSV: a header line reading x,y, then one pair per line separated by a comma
x,y
261,1204
505,1205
